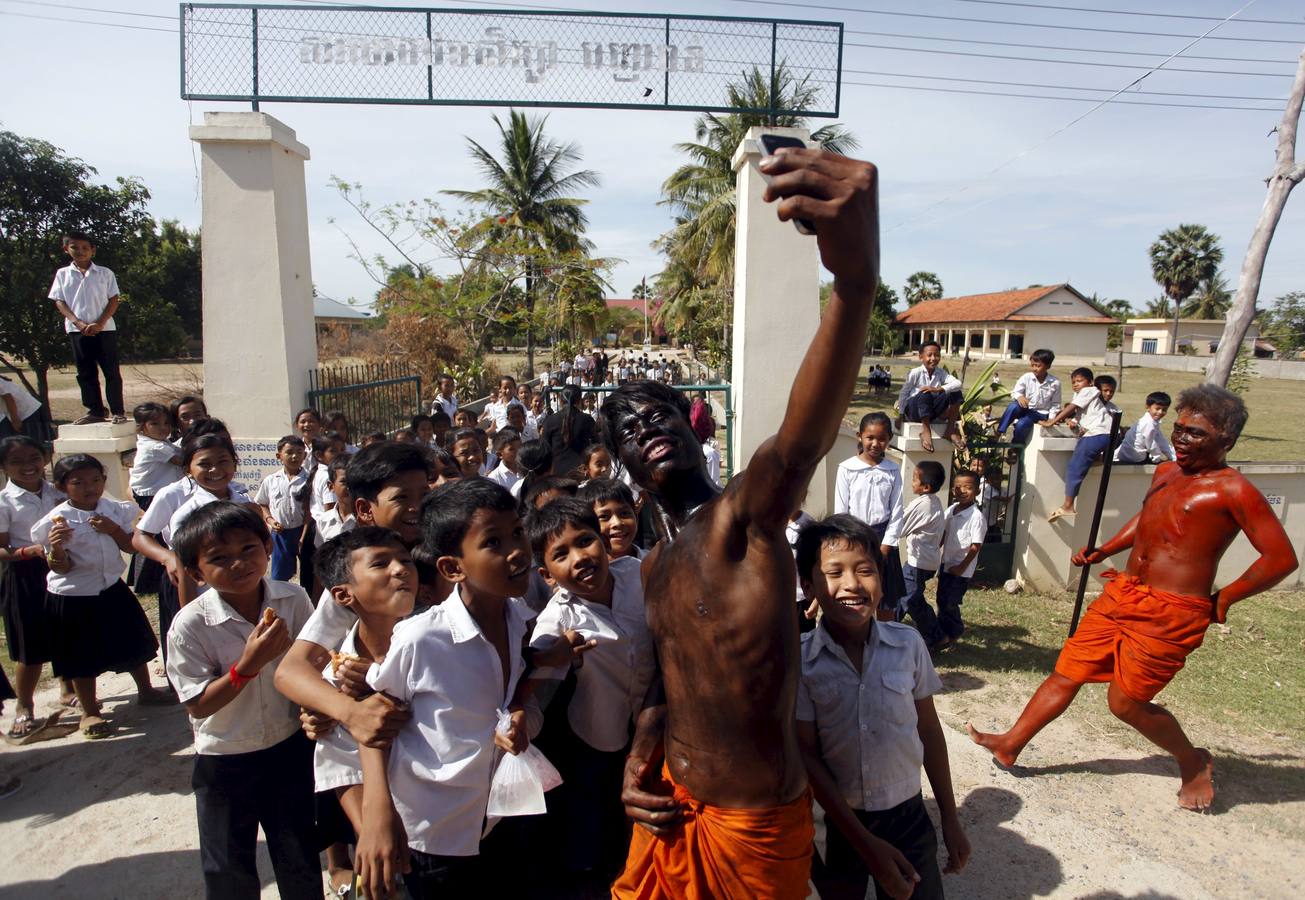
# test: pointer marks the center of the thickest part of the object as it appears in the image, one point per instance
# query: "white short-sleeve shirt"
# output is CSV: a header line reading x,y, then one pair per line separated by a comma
x,y
611,685
23,401
153,468
97,560
166,502
335,754
20,509
199,497
87,294
964,527
1042,395
329,624
277,493
504,476
1093,417
867,722
922,530
206,639
329,524
443,760
321,498
871,493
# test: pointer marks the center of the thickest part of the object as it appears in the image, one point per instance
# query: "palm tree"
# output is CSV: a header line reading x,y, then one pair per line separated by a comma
x,y
701,192
1211,300
528,198
1181,259
922,286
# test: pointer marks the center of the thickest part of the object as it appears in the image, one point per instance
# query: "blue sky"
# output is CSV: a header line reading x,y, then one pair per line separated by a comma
x,y
1081,207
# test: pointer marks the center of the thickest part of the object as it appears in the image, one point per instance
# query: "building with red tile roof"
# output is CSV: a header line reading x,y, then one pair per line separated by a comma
x,y
1008,324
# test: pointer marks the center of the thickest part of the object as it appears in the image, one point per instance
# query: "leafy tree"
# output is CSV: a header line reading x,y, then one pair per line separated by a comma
x,y
641,291
1211,299
1284,322
162,260
1159,308
44,193
1182,259
527,198
1118,309
922,286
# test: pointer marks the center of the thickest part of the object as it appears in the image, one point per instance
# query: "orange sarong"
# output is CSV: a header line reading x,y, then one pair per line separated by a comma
x,y
722,854
1136,636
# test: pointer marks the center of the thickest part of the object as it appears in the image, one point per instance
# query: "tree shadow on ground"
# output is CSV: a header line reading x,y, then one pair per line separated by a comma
x,y
999,648
171,873
1240,779
1115,895
958,682
103,771
1000,855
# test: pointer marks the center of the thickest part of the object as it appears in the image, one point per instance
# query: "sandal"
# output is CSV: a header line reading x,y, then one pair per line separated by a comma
x,y
40,730
22,726
1059,513
94,728
69,702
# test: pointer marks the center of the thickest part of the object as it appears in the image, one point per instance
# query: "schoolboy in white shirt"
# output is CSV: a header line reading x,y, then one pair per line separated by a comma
x,y
1145,441
339,518
1090,407
1035,397
507,444
922,531
928,394
595,622
283,510
253,766
454,665
87,296
964,537
866,724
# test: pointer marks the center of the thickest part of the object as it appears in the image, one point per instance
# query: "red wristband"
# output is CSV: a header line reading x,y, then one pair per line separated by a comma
x,y
237,679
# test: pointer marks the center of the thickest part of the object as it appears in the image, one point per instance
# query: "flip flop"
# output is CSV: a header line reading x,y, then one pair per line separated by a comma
x,y
21,727
94,728
70,703
42,731
1061,514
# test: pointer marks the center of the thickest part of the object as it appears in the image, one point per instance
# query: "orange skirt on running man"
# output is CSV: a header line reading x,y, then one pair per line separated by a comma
x,y
1135,636
722,854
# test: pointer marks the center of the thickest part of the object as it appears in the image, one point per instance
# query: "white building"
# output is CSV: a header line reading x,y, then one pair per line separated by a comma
x,y
1199,337
1010,324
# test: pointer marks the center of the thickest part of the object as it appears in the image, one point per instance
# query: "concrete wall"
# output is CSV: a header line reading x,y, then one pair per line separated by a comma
x,y
1066,339
1289,369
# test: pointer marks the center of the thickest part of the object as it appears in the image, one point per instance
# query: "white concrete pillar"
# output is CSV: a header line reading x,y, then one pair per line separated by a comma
x,y
947,347
985,342
259,335
1042,548
112,445
1005,343
908,453
966,351
776,310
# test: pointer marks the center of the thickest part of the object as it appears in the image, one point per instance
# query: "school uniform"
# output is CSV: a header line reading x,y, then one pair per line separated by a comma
x,y
916,405
501,474
1044,402
87,295
873,493
157,521
328,524
336,765
446,405
31,421
1144,442
792,529
587,730
922,529
278,493
443,760
200,497
1094,423
253,766
870,742
22,583
964,527
153,468
96,623
712,455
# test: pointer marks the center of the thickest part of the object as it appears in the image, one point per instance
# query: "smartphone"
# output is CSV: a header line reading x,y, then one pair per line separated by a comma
x,y
772,142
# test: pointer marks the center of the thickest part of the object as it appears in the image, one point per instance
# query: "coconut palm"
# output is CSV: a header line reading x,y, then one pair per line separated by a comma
x,y
1181,259
529,197
922,286
1211,300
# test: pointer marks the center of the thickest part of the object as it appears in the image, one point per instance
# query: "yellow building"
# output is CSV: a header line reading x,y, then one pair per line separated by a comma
x,y
1010,324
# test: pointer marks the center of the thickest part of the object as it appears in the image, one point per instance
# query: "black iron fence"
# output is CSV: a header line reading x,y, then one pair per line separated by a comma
x,y
373,396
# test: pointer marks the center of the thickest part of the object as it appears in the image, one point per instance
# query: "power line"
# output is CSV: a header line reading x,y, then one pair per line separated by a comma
x,y
1131,12
1056,87
942,18
915,87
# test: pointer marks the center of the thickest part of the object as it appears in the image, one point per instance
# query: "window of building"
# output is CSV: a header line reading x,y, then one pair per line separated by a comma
x,y
1150,345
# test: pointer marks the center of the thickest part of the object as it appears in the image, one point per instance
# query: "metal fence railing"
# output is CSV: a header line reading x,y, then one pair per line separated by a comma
x,y
374,396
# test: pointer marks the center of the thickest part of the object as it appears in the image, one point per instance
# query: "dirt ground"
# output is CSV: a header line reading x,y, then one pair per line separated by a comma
x,y
1090,818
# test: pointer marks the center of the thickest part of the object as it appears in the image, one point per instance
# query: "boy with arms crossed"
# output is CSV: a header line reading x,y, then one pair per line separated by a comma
x,y
1139,632
866,721
719,597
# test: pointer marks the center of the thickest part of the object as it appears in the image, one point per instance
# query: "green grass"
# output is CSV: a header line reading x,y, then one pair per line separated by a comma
x,y
1275,404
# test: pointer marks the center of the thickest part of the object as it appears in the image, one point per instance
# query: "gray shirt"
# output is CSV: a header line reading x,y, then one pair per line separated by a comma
x,y
866,722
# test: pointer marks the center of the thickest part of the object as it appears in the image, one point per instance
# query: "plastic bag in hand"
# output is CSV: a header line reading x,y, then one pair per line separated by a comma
x,y
520,780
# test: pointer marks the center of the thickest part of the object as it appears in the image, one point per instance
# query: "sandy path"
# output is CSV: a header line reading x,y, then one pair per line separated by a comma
x,y
1096,820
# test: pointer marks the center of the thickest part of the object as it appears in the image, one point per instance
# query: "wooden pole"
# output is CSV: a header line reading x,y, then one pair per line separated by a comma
x,y
1106,465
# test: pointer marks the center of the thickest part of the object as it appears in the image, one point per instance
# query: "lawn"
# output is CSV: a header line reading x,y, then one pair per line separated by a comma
x,y
1275,404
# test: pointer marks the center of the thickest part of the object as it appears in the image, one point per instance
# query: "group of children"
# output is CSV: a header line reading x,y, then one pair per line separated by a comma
x,y
443,623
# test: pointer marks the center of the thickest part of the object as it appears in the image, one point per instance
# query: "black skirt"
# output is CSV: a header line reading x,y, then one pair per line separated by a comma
x,y
22,603
6,689
890,578
105,632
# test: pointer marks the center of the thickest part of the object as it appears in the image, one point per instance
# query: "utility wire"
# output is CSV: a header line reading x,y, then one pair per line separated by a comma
x,y
1132,12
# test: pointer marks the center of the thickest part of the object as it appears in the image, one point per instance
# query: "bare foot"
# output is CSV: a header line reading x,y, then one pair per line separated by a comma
x,y
957,438
926,437
1197,792
93,728
992,743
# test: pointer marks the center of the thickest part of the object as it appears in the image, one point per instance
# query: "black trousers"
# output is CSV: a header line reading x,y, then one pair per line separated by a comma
x,y
842,874
434,877
234,795
99,351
